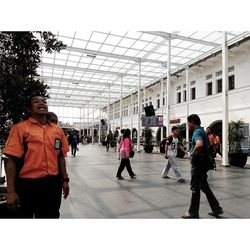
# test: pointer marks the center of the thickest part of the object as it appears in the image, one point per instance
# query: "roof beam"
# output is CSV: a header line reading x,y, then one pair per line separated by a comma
x,y
51,65
129,58
75,101
167,35
70,80
90,90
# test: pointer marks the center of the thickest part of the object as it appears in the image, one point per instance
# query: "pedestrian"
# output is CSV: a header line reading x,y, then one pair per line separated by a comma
x,y
74,141
116,135
124,149
109,140
217,145
199,171
52,117
211,146
211,137
35,186
172,144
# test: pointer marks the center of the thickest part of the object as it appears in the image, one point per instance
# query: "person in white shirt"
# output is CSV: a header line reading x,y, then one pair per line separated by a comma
x,y
172,144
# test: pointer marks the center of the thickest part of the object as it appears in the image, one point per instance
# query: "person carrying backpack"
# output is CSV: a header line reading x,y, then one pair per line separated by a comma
x,y
172,143
199,168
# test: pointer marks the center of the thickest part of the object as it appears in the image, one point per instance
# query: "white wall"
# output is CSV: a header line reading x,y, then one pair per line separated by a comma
x,y
209,108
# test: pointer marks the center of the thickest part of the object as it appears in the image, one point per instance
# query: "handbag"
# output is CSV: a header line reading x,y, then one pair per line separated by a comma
x,y
132,153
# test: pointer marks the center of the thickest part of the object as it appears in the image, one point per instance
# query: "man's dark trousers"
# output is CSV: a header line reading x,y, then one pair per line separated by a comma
x,y
199,182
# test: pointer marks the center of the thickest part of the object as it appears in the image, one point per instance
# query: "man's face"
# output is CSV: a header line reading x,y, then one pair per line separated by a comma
x,y
176,132
53,119
190,125
38,106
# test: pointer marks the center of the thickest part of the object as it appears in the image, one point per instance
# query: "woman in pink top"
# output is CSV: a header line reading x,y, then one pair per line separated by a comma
x,y
124,150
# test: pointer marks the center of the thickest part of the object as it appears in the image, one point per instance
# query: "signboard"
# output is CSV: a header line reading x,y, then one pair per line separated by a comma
x,y
175,121
152,121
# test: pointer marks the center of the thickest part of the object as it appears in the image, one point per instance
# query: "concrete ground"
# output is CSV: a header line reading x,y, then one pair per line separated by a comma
x,y
95,192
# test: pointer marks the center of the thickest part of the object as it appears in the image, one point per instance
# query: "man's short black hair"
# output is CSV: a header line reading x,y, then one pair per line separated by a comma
x,y
29,99
194,119
174,128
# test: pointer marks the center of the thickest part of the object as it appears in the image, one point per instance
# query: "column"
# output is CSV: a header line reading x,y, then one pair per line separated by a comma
x,y
224,100
108,108
92,134
100,118
121,104
161,106
187,101
139,108
88,132
168,87
113,116
131,112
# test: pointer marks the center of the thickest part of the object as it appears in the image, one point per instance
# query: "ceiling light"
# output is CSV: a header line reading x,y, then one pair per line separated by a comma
x,y
91,55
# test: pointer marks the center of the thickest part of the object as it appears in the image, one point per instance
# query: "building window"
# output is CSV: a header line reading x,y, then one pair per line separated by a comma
x,y
231,82
179,97
158,103
163,101
192,93
150,103
184,95
219,85
134,110
142,107
209,88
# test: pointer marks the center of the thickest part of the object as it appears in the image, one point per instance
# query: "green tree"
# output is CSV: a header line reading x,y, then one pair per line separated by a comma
x,y
20,55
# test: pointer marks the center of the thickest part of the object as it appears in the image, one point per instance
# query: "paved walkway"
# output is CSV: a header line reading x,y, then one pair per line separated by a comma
x,y
95,192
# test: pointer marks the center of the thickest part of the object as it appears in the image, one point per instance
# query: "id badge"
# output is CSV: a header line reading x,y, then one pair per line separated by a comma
x,y
57,144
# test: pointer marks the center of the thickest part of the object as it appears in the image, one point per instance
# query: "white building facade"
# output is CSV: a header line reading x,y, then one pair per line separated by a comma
x,y
201,94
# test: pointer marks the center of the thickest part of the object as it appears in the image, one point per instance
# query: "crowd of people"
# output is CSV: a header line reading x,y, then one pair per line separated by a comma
x,y
36,167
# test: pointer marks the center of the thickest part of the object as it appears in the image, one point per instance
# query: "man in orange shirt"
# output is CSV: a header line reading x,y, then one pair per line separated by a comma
x,y
36,188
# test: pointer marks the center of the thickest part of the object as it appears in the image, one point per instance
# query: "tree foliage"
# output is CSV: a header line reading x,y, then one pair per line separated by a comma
x,y
20,55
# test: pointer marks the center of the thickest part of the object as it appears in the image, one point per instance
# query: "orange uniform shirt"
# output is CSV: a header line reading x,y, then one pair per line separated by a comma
x,y
43,147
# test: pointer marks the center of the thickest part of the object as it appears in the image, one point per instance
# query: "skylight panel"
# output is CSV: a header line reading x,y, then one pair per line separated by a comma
x,y
108,63
60,62
162,50
48,60
79,43
153,56
131,52
185,44
119,50
94,66
213,36
72,64
127,42
134,35
148,37
98,37
113,40
93,46
139,45
150,46
107,48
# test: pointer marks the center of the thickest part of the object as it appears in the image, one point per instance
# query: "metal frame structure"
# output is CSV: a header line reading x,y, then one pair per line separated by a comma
x,y
94,61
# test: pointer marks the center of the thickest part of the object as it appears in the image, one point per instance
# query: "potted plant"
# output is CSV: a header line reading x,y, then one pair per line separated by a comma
x,y
147,136
236,156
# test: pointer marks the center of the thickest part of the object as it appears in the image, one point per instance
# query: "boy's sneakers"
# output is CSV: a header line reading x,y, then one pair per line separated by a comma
x,y
216,213
181,180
